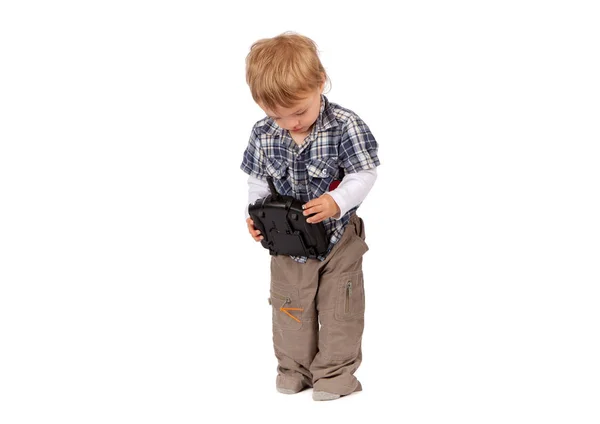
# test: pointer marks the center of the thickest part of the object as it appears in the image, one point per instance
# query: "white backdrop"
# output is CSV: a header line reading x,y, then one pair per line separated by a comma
x,y
130,290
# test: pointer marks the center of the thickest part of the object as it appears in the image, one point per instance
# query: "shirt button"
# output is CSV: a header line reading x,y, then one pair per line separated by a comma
x,y
324,172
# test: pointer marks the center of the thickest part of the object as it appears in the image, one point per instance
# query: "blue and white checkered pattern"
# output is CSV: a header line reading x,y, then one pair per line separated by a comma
x,y
339,139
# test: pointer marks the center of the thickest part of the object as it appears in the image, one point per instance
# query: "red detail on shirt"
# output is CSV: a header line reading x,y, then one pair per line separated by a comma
x,y
334,185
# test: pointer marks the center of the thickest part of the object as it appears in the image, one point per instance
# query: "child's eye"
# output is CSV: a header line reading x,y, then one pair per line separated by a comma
x,y
300,113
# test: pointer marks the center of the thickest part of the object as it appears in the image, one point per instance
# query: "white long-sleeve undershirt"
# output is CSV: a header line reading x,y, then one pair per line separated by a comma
x,y
351,192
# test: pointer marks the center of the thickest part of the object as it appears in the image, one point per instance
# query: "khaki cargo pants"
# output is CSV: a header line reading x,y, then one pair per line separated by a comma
x,y
329,294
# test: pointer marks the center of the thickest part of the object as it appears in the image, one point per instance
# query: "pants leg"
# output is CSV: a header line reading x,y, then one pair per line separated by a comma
x,y
295,324
341,305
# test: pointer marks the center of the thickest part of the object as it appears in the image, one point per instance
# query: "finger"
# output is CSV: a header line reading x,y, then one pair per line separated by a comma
x,y
253,231
317,218
311,203
313,209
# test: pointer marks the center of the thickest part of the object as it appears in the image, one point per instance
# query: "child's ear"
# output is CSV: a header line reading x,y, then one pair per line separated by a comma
x,y
323,81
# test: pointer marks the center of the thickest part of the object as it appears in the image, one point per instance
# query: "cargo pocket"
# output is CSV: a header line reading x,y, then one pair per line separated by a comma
x,y
287,310
351,297
321,172
343,333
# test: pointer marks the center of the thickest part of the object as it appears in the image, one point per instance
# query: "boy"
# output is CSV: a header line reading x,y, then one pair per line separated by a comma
x,y
308,145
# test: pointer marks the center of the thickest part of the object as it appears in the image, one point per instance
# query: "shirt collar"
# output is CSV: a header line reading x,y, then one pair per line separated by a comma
x,y
325,120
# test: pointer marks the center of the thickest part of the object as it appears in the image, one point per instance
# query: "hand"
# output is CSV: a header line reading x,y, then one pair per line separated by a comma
x,y
324,207
256,235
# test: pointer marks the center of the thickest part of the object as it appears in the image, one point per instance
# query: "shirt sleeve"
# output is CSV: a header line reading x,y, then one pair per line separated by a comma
x,y
253,161
358,148
353,189
257,189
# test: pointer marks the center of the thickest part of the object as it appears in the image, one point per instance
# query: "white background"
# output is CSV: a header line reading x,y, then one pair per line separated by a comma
x,y
131,291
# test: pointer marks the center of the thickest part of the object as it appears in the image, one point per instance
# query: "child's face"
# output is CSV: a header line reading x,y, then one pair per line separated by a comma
x,y
300,117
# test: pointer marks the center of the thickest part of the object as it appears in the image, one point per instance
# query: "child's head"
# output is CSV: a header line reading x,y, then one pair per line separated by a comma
x,y
286,79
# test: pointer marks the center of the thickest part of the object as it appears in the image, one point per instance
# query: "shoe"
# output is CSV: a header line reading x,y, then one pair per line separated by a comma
x,y
317,395
287,391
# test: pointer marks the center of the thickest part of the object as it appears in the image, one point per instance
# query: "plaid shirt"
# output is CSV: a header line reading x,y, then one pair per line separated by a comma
x,y
339,139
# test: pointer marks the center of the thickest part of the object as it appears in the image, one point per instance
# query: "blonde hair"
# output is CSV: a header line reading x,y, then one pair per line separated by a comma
x,y
282,69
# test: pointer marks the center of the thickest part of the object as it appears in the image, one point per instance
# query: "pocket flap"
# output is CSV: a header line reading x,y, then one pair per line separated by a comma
x,y
276,168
